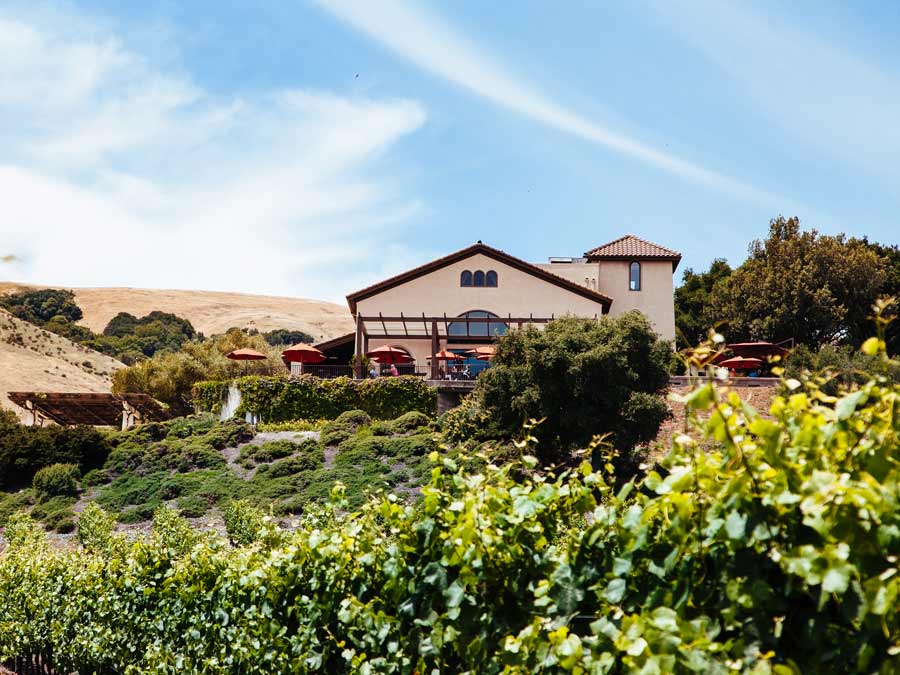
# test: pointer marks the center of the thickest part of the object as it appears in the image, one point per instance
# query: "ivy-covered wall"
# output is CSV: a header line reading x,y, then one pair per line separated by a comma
x,y
276,399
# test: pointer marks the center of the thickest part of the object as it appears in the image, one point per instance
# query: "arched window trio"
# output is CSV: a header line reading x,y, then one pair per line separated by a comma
x,y
478,278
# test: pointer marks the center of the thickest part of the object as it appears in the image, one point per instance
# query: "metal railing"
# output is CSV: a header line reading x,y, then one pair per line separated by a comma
x,y
325,371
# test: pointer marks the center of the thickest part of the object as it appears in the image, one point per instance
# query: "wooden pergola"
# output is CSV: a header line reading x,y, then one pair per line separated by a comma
x,y
434,328
69,409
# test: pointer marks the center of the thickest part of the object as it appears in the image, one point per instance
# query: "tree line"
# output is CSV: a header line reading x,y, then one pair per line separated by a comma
x,y
817,289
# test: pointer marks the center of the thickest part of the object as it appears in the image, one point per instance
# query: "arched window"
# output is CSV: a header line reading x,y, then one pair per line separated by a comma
x,y
465,279
491,279
634,277
480,329
479,278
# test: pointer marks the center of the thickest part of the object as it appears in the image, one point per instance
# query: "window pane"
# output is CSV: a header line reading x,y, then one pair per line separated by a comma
x,y
465,279
634,280
491,279
481,329
479,278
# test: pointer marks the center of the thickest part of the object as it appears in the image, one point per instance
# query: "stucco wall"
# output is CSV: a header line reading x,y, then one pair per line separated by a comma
x,y
517,293
655,299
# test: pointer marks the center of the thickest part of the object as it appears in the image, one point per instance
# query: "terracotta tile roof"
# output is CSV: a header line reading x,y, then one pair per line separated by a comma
x,y
629,247
488,251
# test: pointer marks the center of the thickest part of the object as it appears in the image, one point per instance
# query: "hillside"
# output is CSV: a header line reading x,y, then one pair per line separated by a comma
x,y
211,311
32,359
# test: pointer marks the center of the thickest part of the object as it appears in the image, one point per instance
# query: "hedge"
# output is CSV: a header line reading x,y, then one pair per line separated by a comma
x,y
276,399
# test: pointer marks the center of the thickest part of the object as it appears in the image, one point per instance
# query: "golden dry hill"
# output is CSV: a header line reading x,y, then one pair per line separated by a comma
x,y
33,359
211,312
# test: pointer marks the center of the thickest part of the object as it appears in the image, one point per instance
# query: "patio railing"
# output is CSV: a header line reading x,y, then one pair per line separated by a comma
x,y
325,371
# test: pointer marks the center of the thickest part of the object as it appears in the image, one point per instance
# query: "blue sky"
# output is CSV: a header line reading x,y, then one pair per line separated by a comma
x,y
309,148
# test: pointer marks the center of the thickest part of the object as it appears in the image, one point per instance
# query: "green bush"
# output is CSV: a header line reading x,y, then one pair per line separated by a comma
x,y
25,450
66,525
95,528
410,421
277,399
580,377
56,480
246,524
354,419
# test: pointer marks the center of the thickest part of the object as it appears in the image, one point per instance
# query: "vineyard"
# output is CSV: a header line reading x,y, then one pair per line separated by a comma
x,y
758,546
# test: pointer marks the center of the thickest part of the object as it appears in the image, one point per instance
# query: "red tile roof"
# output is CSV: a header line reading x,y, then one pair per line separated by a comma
x,y
630,247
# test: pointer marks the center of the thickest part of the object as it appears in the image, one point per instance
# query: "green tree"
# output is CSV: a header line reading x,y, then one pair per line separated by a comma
x,y
583,378
802,285
170,376
284,336
39,306
691,299
890,288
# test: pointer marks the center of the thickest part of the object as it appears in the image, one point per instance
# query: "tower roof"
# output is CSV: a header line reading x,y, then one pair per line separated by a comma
x,y
630,247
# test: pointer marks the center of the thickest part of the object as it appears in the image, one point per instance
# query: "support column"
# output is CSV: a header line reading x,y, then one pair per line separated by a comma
x,y
357,350
435,348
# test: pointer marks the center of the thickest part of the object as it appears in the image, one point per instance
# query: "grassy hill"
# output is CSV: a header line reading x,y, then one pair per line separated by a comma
x,y
211,312
33,359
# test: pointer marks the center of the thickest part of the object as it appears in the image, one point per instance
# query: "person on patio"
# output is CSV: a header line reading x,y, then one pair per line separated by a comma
x,y
394,372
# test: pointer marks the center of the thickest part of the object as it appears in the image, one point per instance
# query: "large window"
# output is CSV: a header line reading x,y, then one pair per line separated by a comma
x,y
479,278
634,276
490,279
478,329
465,279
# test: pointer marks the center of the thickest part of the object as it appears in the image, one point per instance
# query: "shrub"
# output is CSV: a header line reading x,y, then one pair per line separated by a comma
x,y
56,480
65,526
467,421
354,419
95,528
244,523
410,422
277,399
24,450
578,376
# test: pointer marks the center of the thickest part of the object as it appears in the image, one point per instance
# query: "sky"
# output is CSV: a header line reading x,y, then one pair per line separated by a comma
x,y
311,147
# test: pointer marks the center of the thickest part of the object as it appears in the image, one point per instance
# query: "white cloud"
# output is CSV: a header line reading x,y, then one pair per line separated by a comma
x,y
116,172
433,45
819,92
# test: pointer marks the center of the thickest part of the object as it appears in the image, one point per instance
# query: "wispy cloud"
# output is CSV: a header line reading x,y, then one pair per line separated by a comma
x,y
117,171
432,44
819,92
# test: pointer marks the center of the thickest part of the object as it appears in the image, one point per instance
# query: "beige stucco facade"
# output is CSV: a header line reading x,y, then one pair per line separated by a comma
x,y
583,287
655,299
437,293
517,293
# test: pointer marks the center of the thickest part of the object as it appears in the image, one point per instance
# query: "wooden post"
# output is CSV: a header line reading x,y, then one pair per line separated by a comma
x,y
357,351
435,348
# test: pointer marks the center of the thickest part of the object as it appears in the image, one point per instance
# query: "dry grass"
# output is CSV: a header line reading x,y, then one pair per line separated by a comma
x,y
32,359
210,311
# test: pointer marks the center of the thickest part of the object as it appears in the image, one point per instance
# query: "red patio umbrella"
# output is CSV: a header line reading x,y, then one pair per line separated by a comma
x,y
245,354
482,353
390,355
740,363
757,350
302,353
445,355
